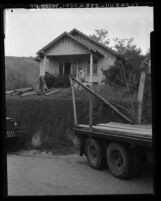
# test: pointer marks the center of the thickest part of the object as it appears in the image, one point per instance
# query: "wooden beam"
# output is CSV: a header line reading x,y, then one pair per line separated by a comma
x,y
90,99
141,95
52,92
90,112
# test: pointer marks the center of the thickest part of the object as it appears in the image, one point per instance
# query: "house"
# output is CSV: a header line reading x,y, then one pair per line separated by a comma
x,y
72,50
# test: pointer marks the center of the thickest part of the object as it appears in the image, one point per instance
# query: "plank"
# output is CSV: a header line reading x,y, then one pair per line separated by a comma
x,y
120,131
23,90
138,139
9,92
127,126
29,93
51,92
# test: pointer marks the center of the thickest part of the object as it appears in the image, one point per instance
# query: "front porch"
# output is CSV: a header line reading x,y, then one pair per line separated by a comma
x,y
63,65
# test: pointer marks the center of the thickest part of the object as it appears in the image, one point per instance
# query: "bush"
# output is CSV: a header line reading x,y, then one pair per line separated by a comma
x,y
119,73
52,116
56,80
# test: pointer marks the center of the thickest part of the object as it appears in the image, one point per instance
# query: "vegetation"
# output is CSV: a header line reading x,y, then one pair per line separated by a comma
x,y
128,64
56,80
101,36
52,116
21,72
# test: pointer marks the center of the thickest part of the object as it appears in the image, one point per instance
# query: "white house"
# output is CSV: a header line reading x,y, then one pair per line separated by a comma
x,y
72,50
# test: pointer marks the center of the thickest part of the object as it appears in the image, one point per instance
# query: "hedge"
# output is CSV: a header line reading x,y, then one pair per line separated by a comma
x,y
52,115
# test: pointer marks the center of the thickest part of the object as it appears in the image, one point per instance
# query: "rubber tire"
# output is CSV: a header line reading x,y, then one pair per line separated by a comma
x,y
99,161
122,172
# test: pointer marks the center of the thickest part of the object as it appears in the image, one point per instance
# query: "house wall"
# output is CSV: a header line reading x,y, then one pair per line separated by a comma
x,y
74,52
106,53
104,62
66,47
52,65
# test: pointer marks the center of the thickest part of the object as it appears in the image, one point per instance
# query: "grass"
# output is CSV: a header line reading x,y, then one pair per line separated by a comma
x,y
21,72
52,116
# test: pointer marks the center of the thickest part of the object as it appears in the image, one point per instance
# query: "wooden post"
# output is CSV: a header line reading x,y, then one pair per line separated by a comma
x,y
91,85
141,95
74,104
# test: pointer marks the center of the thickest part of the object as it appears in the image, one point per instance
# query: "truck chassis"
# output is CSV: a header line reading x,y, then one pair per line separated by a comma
x,y
121,147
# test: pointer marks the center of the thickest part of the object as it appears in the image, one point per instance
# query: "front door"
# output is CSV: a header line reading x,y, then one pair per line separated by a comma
x,y
67,68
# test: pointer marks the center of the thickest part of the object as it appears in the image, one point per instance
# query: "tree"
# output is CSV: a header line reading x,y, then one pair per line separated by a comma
x,y
128,65
130,52
100,36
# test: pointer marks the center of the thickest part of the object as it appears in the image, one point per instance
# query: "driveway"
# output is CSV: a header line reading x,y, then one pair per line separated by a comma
x,y
31,173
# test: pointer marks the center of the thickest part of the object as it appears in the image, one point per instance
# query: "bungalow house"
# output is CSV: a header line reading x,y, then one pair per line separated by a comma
x,y
72,50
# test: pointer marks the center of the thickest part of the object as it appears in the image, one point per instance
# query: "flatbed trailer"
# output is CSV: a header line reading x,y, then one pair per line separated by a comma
x,y
122,147
137,134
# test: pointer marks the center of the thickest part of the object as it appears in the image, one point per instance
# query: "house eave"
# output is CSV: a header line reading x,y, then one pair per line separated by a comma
x,y
98,43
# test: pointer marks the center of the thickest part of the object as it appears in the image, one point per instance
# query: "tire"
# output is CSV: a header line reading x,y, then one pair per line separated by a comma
x,y
95,153
119,160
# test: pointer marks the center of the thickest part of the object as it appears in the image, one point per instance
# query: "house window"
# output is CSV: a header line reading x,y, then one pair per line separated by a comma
x,y
95,67
61,69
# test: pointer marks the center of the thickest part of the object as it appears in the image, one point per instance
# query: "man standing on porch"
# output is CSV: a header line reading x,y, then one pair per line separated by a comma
x,y
81,75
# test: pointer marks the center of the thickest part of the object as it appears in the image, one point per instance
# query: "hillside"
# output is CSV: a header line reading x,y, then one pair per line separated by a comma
x,y
20,72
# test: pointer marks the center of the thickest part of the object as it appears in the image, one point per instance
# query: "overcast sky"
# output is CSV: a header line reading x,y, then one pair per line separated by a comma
x,y
27,31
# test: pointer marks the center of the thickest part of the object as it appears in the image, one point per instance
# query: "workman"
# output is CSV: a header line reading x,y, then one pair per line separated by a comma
x,y
81,75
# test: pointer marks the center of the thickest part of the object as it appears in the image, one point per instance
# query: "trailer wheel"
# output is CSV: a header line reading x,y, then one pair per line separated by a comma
x,y
95,154
118,160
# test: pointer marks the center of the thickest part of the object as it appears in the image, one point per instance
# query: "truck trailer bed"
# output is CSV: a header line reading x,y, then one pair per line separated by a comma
x,y
132,133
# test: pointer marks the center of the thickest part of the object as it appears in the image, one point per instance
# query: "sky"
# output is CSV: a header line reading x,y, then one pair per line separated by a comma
x,y
28,30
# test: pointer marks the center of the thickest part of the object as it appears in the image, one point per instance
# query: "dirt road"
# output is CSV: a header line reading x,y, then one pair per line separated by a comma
x,y
46,174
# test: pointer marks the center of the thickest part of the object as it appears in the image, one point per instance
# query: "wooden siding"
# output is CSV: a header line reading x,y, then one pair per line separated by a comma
x,y
67,47
69,50
94,45
52,65
104,62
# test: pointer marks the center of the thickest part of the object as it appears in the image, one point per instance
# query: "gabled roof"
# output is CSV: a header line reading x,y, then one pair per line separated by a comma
x,y
78,41
93,40
72,37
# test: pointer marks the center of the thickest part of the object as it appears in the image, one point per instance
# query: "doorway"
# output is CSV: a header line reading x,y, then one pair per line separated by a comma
x,y
67,68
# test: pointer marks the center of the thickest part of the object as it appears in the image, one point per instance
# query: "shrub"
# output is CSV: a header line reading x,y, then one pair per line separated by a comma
x,y
56,80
